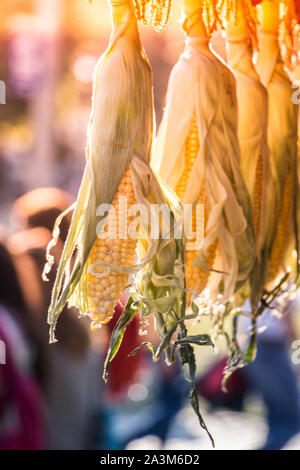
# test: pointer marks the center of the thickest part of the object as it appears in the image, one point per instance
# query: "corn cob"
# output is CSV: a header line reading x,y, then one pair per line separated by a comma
x,y
240,22
104,292
283,233
253,134
212,155
282,138
258,195
119,140
118,150
196,278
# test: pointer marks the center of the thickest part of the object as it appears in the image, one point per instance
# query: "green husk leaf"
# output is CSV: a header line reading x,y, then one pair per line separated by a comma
x,y
200,340
142,345
187,357
237,358
117,335
165,344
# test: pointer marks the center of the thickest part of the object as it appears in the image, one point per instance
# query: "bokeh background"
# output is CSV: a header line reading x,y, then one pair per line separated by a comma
x,y
53,396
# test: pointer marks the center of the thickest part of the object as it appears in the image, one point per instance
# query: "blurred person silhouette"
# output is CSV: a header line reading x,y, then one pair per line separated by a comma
x,y
144,396
73,374
274,378
74,384
22,410
41,207
271,377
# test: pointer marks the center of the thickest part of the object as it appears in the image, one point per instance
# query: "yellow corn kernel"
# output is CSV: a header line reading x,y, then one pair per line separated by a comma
x,y
258,195
196,278
104,292
283,233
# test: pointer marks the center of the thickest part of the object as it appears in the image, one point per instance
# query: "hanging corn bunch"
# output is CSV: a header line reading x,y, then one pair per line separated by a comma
x,y
105,236
252,125
282,139
118,150
197,153
277,224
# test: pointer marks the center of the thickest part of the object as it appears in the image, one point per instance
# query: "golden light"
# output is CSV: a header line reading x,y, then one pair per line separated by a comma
x,y
84,67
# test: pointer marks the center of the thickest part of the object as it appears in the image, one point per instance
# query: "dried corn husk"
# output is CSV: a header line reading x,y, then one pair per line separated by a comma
x,y
282,139
252,100
159,290
211,97
254,133
119,136
255,156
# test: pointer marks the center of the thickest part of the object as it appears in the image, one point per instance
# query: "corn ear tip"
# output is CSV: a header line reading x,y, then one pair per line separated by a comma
x,y
224,386
105,371
52,338
45,277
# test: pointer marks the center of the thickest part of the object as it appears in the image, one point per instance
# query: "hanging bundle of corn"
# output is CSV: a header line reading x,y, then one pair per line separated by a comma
x,y
117,176
277,224
252,129
121,207
239,18
282,139
197,153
